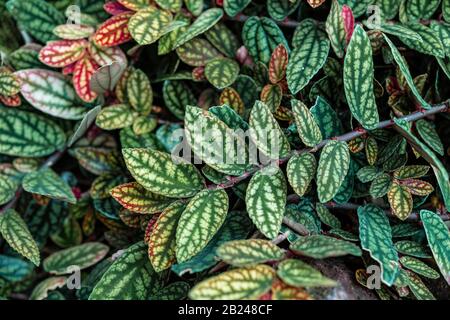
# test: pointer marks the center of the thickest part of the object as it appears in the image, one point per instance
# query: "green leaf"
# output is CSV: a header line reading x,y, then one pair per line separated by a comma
x,y
421,9
326,118
38,17
115,117
130,277
16,233
429,42
300,172
51,93
177,95
438,237
200,221
132,196
280,9
261,36
358,79
266,133
326,217
47,183
41,291
9,84
380,185
405,71
299,274
359,7
8,187
202,24
376,238
236,226
139,92
400,200
82,256
367,173
446,10
308,56
174,291
148,25
162,173
223,39
233,7
320,247
25,134
243,253
389,8
246,283
418,288
266,199
419,267
162,241
219,146
336,30
428,134
222,72
14,269
307,127
412,248
333,166
197,52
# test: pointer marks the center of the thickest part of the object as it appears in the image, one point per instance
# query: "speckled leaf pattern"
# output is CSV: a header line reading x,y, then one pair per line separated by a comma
x,y
26,134
417,187
406,73
162,173
326,118
266,133
438,237
73,31
174,291
202,24
221,72
82,256
327,217
429,42
201,220
410,172
376,238
223,39
233,7
47,183
446,10
139,92
266,199
428,133
136,198
307,127
115,117
130,277
300,172
261,36
299,274
162,241
177,95
418,288
147,25
51,93
358,80
278,64
320,247
83,71
272,95
244,253
421,9
308,57
412,248
358,7
61,53
8,187
16,233
114,31
400,200
9,84
280,9
333,166
214,142
197,52
231,98
245,283
38,17
389,8
419,267
335,29
380,185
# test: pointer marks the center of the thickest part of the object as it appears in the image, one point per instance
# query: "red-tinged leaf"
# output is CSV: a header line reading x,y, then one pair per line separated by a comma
x,y
114,31
82,74
61,53
278,64
11,101
198,74
106,56
315,3
349,21
69,69
135,5
417,187
150,227
114,8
